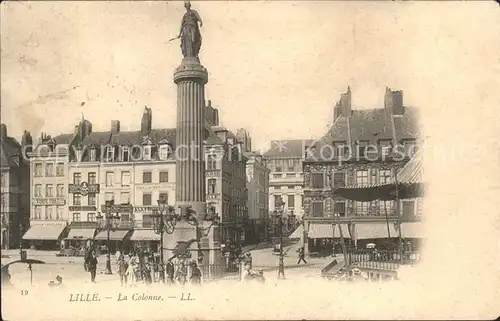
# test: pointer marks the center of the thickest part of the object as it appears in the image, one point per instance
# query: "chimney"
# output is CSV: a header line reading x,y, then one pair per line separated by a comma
x,y
212,114
343,106
146,121
85,128
221,132
3,130
115,126
393,102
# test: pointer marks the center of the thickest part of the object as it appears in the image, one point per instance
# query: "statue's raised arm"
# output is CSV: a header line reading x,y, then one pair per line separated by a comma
x,y
190,32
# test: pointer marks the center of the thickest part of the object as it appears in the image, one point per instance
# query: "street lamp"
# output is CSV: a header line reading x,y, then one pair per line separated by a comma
x,y
108,222
278,215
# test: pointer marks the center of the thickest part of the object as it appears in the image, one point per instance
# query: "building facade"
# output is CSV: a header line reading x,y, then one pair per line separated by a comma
x,y
258,197
362,148
15,189
133,169
286,177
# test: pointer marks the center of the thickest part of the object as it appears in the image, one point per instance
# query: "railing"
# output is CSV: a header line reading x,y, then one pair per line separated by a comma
x,y
382,259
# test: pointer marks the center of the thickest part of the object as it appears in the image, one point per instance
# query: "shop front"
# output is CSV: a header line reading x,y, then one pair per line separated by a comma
x,y
80,238
46,235
119,240
146,240
381,234
324,238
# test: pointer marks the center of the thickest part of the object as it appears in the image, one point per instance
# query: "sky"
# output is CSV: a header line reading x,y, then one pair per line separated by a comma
x,y
275,68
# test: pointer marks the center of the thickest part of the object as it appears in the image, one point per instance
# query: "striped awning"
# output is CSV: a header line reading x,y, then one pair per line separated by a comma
x,y
44,232
298,233
412,172
81,234
414,230
366,231
117,235
321,231
145,235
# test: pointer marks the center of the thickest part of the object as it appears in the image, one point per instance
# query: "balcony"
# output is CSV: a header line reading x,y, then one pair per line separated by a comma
x,y
83,224
382,259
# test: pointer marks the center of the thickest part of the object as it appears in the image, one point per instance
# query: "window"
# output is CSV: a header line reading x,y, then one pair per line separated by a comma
x,y
212,183
277,201
91,199
164,152
93,155
317,180
49,169
92,178
362,148
60,190
124,198
385,176
340,208
146,177
38,190
361,208
385,147
125,178
163,177
38,169
60,169
146,199
291,165
164,196
341,149
77,199
125,154
110,196
77,178
59,213
386,207
279,168
408,208
76,217
211,162
109,179
3,180
147,221
146,153
291,201
110,153
49,190
317,209
302,200
48,212
339,179
38,212
362,177
91,217
277,175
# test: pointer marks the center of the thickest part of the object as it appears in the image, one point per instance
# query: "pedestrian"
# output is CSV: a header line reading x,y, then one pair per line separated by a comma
x,y
301,256
181,275
147,272
133,265
122,269
91,266
248,259
195,274
170,272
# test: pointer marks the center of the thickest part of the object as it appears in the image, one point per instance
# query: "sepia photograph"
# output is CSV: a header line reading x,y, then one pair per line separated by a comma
x,y
250,160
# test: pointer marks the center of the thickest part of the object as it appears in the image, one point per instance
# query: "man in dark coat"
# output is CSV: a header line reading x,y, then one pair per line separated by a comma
x,y
301,256
91,266
195,274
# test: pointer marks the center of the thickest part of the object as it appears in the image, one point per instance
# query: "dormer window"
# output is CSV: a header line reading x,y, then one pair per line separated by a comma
x,y
110,153
79,153
362,145
125,154
93,154
341,149
146,152
164,152
410,147
385,147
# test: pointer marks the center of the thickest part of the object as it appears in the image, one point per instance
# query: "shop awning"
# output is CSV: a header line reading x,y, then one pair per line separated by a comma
x,y
81,234
117,235
298,233
44,232
145,235
319,231
385,192
413,230
366,231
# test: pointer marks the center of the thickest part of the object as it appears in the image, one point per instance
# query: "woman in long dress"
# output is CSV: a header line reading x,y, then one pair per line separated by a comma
x,y
190,32
133,265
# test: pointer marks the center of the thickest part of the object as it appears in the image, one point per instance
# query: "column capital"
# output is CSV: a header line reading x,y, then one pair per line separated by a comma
x,y
191,70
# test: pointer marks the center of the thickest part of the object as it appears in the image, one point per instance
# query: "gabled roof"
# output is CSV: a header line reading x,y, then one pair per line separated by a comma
x,y
10,149
287,148
64,138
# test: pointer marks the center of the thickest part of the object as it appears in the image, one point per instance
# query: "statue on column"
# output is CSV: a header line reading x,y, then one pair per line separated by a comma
x,y
190,32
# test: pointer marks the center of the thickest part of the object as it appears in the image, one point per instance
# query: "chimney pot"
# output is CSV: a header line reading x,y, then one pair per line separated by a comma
x,y
3,130
115,126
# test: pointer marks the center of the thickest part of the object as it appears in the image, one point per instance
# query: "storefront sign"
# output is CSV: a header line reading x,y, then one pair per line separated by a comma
x,y
84,188
145,208
118,208
155,186
49,201
83,208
